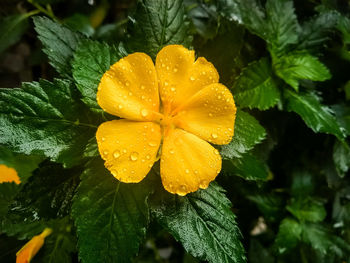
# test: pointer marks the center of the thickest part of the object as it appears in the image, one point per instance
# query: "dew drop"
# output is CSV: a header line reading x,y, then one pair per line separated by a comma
x,y
187,171
142,87
171,151
130,93
152,144
192,78
150,165
214,135
203,183
144,112
183,189
167,68
150,72
175,70
148,156
166,83
195,172
116,154
105,152
172,89
103,139
127,84
132,171
120,107
210,114
124,150
216,152
134,156
114,173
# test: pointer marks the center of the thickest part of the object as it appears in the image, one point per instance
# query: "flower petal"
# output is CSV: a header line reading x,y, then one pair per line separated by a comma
x,y
187,162
129,89
128,148
31,248
180,76
8,175
210,114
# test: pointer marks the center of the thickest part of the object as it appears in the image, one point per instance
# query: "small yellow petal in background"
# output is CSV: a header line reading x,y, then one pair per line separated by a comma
x,y
8,175
30,249
180,76
210,114
129,89
128,148
187,162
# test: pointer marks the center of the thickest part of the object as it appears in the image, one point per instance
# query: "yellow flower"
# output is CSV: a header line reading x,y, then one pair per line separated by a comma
x,y
177,103
8,175
29,250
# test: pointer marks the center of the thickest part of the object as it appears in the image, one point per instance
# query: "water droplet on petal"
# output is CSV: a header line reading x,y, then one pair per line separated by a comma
x,y
166,83
187,171
114,172
171,151
195,172
203,183
175,70
116,154
148,156
142,87
210,114
103,139
127,84
144,112
216,151
152,144
214,135
134,156
105,153
120,107
124,150
172,89
192,78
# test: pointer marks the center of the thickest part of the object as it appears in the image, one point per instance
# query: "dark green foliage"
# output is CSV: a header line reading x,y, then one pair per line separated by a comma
x,y
256,86
283,193
248,132
202,222
45,119
111,217
59,43
91,60
158,23
318,117
11,29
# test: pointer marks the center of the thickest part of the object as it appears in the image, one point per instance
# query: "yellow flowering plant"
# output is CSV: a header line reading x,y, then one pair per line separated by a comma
x,y
171,109
158,131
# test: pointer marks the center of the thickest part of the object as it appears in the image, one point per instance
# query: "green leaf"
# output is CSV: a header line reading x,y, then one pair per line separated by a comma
x,y
322,239
307,209
45,119
249,168
229,37
11,29
270,205
81,23
317,30
59,43
302,184
203,222
255,87
341,157
23,164
297,66
91,60
247,133
8,191
47,194
281,24
342,114
60,245
111,217
158,23
318,117
289,235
